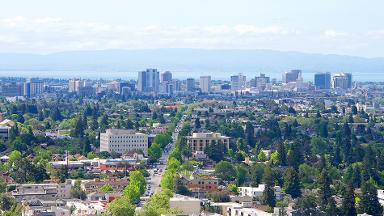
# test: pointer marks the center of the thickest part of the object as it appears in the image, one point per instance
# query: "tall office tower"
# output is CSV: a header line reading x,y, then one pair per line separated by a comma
x,y
292,76
176,85
148,81
342,81
323,80
205,84
36,87
74,85
190,85
260,82
349,78
238,82
169,88
166,77
27,89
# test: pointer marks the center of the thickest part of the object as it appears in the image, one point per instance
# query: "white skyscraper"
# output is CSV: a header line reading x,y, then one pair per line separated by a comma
x,y
205,84
148,81
238,82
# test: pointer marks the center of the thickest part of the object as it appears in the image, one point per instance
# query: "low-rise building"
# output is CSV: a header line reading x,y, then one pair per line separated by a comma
x,y
85,208
188,205
4,132
45,191
90,186
257,192
119,164
198,141
122,141
200,185
45,211
239,210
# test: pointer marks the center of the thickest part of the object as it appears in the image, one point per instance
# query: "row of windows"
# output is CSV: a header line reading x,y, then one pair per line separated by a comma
x,y
122,150
141,145
125,137
123,141
207,182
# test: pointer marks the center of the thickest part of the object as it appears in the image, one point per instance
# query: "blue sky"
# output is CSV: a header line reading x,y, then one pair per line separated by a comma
x,y
351,27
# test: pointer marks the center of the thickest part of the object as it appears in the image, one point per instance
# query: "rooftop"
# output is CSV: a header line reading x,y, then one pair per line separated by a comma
x,y
121,132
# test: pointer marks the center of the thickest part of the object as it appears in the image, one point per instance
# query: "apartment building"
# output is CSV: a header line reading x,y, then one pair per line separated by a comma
x,y
45,191
122,141
198,141
94,185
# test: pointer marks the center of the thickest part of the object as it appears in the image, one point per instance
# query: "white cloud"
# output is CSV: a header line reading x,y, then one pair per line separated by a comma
x,y
251,29
53,34
334,34
218,29
376,34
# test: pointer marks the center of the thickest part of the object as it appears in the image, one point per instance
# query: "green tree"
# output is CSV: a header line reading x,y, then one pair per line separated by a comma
x,y
308,175
292,183
216,151
163,139
168,179
158,204
78,131
331,208
180,188
233,188
3,185
23,171
348,205
121,207
325,188
7,202
282,153
241,174
136,186
155,152
225,170
261,156
269,193
295,155
241,145
106,188
323,129
56,115
77,192
369,201
306,205
250,134
257,171
319,146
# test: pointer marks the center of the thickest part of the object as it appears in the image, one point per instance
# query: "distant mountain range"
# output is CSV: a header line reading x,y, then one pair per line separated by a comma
x,y
191,62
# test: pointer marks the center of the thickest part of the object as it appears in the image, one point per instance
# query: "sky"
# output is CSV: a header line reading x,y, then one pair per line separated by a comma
x,y
346,27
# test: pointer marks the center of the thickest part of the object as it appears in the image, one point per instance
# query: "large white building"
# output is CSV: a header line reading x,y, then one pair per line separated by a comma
x,y
121,141
74,85
205,84
198,141
238,82
342,81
